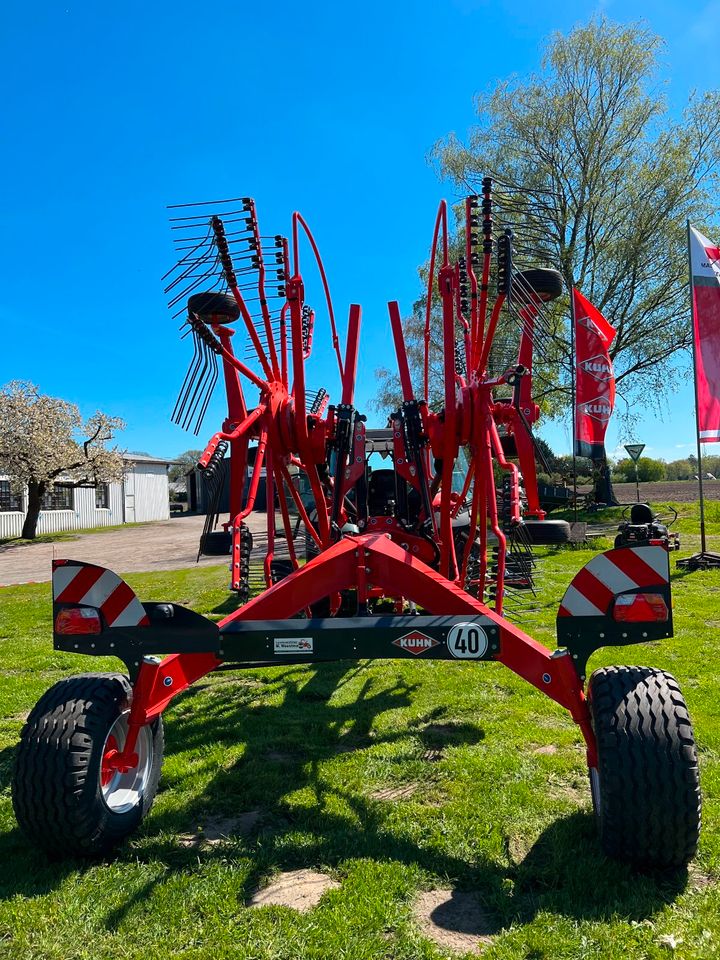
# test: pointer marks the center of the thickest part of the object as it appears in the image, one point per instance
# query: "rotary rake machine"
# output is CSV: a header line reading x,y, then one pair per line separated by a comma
x,y
403,562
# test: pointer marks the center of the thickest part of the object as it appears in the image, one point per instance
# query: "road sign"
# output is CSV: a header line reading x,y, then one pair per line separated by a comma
x,y
634,450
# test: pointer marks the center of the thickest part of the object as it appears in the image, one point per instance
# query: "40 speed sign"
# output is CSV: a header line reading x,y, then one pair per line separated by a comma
x,y
467,641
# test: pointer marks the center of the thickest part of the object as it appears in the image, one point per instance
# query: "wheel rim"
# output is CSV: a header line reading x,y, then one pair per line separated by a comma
x,y
123,791
595,789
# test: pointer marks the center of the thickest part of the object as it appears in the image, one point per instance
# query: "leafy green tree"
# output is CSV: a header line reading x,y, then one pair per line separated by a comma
x,y
679,470
587,159
711,464
564,466
183,464
593,172
648,470
551,460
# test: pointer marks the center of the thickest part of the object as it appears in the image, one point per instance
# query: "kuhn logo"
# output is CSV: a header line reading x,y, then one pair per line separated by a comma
x,y
415,642
598,409
589,325
598,367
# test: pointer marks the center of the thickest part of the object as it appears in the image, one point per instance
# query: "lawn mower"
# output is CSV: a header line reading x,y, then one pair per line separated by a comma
x,y
406,562
644,526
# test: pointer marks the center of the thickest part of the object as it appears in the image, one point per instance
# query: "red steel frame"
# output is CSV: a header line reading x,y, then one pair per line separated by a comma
x,y
373,564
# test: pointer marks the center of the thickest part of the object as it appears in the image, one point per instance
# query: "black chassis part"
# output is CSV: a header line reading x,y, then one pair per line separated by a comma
x,y
175,629
584,635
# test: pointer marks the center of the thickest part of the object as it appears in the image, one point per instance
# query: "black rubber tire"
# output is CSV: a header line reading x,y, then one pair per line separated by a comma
x,y
547,284
547,531
214,304
279,569
56,787
216,544
348,605
646,790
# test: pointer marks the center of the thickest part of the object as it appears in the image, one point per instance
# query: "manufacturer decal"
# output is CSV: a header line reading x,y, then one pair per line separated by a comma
x,y
415,642
467,641
293,645
598,367
599,409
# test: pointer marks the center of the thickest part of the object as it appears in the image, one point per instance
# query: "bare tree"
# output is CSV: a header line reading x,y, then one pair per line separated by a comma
x,y
44,439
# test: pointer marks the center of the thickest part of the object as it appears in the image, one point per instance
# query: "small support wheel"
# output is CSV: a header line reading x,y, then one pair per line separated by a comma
x,y
69,797
645,790
213,304
217,543
546,531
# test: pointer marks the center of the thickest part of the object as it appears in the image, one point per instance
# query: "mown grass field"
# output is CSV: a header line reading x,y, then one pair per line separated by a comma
x,y
497,802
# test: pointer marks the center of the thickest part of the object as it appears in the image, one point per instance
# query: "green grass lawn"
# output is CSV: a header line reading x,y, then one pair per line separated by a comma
x,y
60,535
308,748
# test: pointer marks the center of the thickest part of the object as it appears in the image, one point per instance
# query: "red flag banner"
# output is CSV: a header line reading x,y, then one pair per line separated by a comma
x,y
705,274
594,379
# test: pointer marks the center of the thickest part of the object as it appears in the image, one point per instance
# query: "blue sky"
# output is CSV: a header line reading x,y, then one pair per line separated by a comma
x,y
110,112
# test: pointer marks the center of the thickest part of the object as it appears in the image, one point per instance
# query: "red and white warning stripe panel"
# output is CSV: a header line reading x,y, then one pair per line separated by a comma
x,y
85,583
628,568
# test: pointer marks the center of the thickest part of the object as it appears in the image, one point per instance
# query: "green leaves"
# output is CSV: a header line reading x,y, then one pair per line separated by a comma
x,y
594,164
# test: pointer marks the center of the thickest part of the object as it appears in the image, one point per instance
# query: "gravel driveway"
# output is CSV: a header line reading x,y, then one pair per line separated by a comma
x,y
166,545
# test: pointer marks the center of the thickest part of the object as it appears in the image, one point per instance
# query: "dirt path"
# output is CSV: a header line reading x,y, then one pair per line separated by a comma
x,y
167,545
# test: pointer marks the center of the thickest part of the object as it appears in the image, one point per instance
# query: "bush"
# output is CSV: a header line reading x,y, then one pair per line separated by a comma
x,y
679,470
648,470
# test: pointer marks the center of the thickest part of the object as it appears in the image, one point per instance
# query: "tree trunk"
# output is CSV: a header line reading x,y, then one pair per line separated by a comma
x,y
602,487
36,492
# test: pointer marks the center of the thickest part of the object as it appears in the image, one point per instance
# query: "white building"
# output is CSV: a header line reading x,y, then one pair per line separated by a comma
x,y
141,495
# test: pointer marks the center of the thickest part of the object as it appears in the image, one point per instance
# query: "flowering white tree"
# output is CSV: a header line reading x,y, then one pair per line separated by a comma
x,y
44,439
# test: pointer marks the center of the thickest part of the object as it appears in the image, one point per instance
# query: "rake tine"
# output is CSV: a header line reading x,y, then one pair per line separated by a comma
x,y
190,392
187,382
209,392
207,203
197,246
208,377
199,386
190,265
192,223
198,216
206,258
188,289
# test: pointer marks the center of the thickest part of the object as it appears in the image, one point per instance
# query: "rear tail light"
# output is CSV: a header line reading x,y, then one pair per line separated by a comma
x,y
640,608
78,620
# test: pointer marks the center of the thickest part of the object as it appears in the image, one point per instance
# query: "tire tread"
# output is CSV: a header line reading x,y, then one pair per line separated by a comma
x,y
650,810
54,789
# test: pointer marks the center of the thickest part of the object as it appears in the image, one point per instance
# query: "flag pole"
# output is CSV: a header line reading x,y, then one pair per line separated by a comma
x,y
704,559
572,394
697,403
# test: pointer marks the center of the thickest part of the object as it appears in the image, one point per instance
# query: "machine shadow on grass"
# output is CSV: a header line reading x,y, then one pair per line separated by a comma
x,y
553,875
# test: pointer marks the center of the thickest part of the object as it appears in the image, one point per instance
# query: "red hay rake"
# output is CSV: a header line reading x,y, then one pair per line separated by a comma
x,y
400,564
